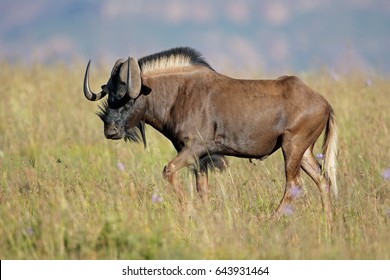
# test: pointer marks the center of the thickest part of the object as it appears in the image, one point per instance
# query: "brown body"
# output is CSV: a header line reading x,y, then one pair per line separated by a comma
x,y
240,118
206,113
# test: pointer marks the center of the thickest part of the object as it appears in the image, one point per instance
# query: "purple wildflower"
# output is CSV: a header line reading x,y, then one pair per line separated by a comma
x,y
30,231
320,156
388,213
288,210
386,174
121,166
156,198
368,83
295,192
334,75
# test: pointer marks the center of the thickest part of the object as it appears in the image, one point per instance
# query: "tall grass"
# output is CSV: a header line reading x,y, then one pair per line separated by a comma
x,y
68,193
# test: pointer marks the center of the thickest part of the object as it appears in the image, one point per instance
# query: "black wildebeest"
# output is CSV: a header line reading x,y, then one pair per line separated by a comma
x,y
208,115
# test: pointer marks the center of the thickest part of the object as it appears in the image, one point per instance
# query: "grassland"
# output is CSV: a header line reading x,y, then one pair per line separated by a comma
x,y
68,193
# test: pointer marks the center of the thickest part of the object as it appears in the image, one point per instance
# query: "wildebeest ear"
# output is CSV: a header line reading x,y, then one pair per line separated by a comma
x,y
130,73
145,90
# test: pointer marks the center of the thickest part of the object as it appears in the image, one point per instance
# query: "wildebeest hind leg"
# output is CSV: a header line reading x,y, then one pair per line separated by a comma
x,y
311,166
292,156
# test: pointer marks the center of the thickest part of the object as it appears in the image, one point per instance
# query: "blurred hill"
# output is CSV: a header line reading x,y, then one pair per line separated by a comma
x,y
246,34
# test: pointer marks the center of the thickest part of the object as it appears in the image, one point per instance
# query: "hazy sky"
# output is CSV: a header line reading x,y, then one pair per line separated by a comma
x,y
299,35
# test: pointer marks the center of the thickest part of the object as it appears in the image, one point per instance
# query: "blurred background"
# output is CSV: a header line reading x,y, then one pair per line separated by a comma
x,y
272,36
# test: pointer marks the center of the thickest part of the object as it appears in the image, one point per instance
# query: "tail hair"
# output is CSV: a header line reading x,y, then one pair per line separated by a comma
x,y
330,151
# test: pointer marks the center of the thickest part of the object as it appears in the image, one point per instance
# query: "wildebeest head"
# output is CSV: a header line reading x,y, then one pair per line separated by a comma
x,y
117,125
124,83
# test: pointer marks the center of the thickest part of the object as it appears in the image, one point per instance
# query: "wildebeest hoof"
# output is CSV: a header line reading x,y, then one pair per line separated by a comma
x,y
167,172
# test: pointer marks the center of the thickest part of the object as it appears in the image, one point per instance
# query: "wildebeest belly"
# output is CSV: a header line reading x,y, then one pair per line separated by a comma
x,y
248,145
253,137
249,125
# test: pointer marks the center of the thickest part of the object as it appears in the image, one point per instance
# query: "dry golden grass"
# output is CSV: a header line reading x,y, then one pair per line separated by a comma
x,y
63,196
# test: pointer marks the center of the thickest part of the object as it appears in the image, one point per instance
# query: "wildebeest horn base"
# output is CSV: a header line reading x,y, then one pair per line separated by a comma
x,y
130,73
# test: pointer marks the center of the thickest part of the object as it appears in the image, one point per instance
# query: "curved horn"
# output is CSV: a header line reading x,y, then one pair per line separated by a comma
x,y
128,77
87,90
133,78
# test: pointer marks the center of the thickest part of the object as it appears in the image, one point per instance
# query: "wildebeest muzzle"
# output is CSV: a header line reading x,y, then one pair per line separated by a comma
x,y
112,132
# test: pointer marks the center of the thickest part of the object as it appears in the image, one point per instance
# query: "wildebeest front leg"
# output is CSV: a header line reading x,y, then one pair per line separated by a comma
x,y
200,171
202,182
185,157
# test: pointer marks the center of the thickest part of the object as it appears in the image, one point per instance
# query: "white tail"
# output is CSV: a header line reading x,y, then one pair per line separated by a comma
x,y
330,151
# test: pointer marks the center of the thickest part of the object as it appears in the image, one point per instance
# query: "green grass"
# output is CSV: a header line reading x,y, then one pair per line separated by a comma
x,y
62,195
